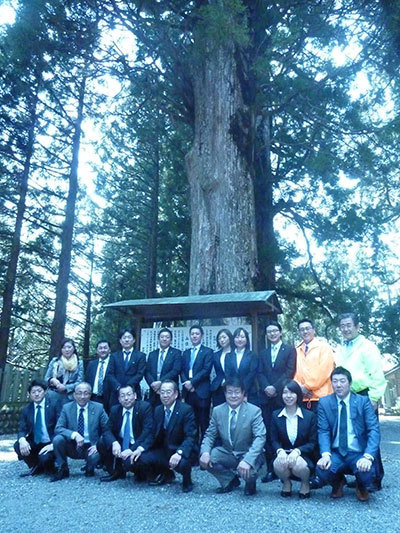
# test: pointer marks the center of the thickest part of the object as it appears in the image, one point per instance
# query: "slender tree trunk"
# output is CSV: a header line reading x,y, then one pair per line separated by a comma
x,y
223,245
60,311
88,315
11,273
151,282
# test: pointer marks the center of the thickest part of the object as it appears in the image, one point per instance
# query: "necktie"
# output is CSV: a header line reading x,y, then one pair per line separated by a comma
x,y
306,349
81,422
126,440
273,355
101,379
37,431
233,425
160,363
126,359
192,358
343,446
167,417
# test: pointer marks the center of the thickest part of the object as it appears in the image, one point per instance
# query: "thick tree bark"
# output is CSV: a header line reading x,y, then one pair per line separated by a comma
x,y
223,246
88,314
11,273
151,281
60,311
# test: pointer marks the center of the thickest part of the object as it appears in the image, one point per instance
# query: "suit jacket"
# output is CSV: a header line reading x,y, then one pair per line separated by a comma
x,y
201,371
133,375
26,421
142,424
249,435
364,420
283,369
90,376
246,372
220,373
97,421
306,440
73,378
181,433
170,370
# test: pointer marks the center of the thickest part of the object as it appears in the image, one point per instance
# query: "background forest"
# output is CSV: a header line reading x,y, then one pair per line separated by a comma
x,y
156,148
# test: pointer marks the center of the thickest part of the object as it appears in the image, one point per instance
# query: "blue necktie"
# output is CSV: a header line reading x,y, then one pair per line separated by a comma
x,y
343,445
127,358
192,358
233,425
37,431
167,417
101,379
126,441
81,422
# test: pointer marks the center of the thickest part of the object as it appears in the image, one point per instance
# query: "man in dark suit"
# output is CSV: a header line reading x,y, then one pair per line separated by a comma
x,y
348,434
239,427
78,430
36,431
195,377
162,364
277,365
175,443
127,366
131,433
97,373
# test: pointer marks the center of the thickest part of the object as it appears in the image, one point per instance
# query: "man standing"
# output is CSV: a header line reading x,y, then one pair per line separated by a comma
x,y
131,425
197,363
162,364
175,447
127,366
277,364
314,364
348,434
240,429
78,430
363,360
36,431
97,373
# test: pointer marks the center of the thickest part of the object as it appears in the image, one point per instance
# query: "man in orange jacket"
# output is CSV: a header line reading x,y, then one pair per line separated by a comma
x,y
314,365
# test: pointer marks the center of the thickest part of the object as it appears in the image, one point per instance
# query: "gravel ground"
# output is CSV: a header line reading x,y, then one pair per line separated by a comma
x,y
85,505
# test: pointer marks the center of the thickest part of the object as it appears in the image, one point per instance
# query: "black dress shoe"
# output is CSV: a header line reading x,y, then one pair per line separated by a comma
x,y
187,487
162,479
316,483
269,476
286,493
233,484
304,495
34,471
89,472
113,477
250,488
61,473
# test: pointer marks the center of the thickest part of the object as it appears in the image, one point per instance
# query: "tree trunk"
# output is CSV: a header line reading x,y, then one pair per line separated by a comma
x,y
88,314
11,274
60,311
223,246
151,281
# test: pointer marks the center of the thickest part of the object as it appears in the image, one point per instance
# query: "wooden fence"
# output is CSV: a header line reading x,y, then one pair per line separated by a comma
x,y
14,394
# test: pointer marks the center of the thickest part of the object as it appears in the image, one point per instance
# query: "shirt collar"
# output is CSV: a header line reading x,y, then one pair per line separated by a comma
x,y
345,400
237,409
170,408
297,413
42,403
129,410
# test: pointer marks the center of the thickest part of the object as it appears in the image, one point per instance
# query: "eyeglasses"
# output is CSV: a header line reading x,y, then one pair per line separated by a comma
x,y
86,393
232,393
166,392
305,329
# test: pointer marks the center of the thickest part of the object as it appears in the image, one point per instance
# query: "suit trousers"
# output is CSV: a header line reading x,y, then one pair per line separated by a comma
x,y
64,448
224,465
45,460
156,461
201,408
345,465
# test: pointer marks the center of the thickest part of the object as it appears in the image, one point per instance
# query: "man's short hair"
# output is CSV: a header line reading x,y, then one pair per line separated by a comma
x,y
165,330
354,317
101,342
302,320
342,370
126,387
86,384
170,382
126,330
196,326
274,323
37,383
236,382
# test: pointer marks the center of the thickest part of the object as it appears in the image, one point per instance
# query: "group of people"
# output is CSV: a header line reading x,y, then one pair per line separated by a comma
x,y
308,413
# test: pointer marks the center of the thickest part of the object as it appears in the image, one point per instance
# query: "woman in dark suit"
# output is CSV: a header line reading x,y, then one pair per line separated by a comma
x,y
294,440
225,345
243,363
